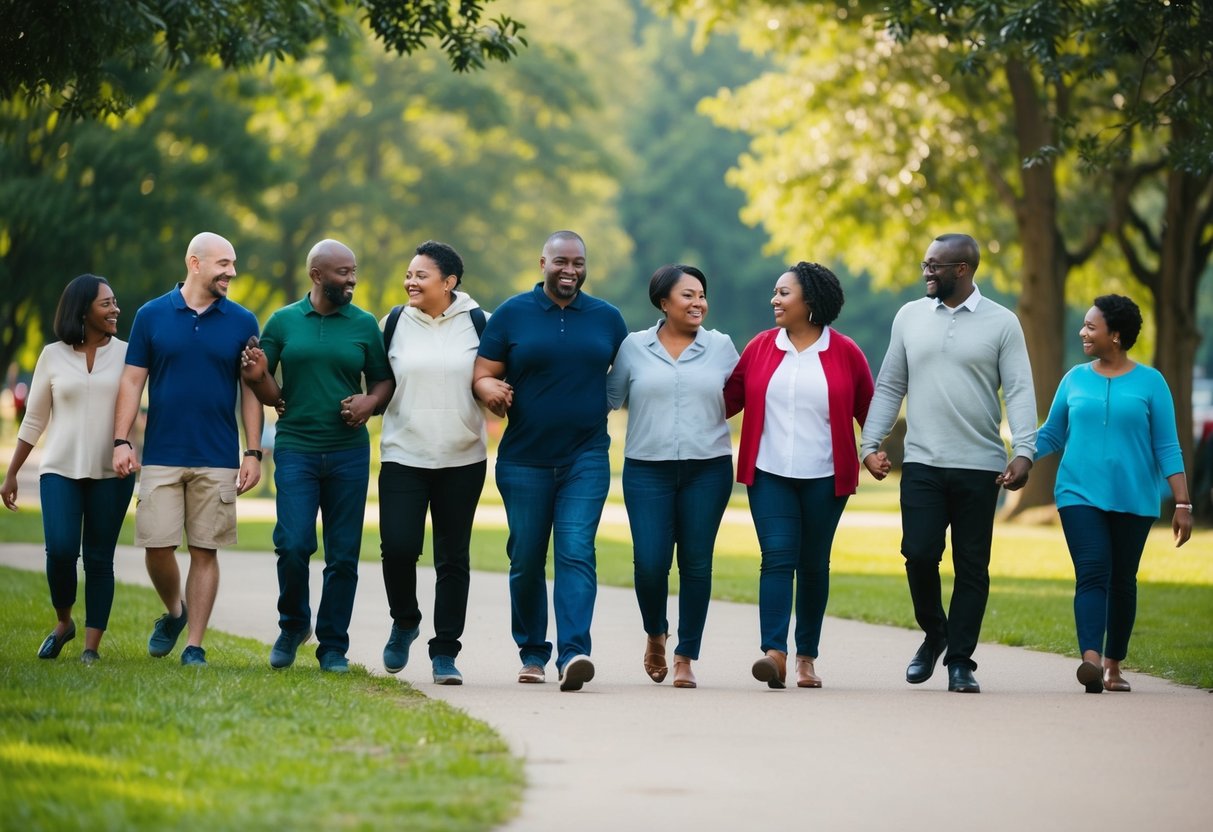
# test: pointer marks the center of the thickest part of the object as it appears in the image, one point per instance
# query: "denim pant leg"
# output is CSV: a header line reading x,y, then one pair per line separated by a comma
x,y
343,481
62,520
297,481
105,505
704,488
453,499
972,501
775,507
924,524
581,491
1089,539
1129,533
528,493
650,495
404,496
820,511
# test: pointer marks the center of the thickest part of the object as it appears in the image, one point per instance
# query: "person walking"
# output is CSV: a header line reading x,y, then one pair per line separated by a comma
x,y
84,503
433,453
949,354
325,347
1113,421
544,359
678,463
185,347
803,385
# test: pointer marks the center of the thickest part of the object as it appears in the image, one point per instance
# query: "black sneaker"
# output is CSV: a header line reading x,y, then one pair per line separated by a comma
x,y
287,645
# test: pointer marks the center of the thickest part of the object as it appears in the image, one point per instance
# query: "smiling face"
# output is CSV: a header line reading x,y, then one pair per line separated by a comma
x,y
429,289
788,302
335,271
1097,341
101,319
686,305
216,266
563,265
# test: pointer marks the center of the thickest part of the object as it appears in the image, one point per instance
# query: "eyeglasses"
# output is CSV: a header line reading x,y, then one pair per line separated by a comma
x,y
932,268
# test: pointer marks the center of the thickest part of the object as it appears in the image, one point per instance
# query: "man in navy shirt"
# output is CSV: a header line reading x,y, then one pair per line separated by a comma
x,y
186,346
543,359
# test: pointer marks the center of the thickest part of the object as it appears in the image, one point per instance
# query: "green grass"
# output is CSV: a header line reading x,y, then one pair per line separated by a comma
x,y
137,743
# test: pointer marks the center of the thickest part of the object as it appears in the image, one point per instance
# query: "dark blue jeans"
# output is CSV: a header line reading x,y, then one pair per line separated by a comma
x,y
332,484
564,503
450,495
83,516
1106,548
932,500
675,503
795,520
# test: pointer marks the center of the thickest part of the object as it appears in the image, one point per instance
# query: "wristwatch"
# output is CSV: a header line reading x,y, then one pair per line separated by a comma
x,y
251,452
126,442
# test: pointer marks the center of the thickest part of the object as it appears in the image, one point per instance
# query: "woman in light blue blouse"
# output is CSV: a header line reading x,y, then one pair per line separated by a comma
x,y
1114,422
678,464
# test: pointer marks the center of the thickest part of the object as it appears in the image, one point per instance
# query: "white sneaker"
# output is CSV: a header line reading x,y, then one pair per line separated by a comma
x,y
576,673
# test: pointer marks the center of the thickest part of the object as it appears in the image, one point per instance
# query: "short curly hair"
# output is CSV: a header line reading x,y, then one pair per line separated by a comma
x,y
1122,317
445,257
821,289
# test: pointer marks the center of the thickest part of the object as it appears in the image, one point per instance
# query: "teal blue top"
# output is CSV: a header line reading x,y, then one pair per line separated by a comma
x,y
1117,439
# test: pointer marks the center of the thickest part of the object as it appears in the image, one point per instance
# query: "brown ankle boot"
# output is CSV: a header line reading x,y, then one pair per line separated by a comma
x,y
684,677
772,669
654,657
806,676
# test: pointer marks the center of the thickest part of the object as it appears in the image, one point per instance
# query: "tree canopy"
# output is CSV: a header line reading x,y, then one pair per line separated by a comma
x,y
83,57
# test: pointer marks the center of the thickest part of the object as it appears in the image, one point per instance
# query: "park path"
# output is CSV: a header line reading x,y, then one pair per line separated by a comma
x,y
867,751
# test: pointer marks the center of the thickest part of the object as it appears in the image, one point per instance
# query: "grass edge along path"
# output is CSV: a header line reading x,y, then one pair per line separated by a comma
x,y
135,743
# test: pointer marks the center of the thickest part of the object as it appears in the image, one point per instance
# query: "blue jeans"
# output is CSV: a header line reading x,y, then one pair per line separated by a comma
x,y
675,503
1106,548
334,484
795,520
83,516
564,503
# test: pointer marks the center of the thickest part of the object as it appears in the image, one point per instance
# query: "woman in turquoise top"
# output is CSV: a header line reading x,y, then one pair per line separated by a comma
x,y
1114,422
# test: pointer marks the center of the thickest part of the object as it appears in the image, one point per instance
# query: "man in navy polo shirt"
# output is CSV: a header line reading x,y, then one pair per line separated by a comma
x,y
185,346
543,359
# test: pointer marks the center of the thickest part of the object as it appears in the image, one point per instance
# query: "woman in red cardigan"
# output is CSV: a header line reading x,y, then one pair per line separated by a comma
x,y
802,385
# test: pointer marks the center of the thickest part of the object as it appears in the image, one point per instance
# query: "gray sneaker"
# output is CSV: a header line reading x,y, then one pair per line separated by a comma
x,y
165,633
287,645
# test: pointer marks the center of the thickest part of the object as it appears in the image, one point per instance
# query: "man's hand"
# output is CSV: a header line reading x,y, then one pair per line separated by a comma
x,y
250,474
1016,475
357,409
878,464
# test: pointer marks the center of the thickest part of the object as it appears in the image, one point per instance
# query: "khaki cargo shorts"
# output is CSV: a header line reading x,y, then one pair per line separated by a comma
x,y
199,501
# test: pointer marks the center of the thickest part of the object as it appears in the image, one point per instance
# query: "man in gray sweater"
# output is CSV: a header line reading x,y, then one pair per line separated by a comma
x,y
949,354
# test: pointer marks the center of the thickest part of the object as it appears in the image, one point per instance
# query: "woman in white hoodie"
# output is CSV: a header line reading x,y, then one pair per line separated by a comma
x,y
433,455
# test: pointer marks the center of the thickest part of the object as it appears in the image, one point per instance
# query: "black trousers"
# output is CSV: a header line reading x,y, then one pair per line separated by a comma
x,y
932,500
450,495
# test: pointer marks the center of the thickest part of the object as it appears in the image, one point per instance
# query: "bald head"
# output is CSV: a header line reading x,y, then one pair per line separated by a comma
x,y
207,245
210,266
326,251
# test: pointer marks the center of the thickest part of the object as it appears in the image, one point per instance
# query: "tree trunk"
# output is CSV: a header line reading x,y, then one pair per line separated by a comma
x,y
1042,302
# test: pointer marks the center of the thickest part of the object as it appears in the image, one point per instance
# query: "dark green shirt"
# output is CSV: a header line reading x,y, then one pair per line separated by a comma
x,y
323,359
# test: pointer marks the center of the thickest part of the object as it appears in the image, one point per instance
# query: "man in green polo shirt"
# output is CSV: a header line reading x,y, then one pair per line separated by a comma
x,y
325,348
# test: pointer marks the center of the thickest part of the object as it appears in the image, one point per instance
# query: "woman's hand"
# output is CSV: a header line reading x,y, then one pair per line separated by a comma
x,y
9,491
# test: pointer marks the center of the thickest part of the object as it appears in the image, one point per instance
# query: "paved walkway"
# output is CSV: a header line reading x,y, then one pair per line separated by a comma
x,y
867,751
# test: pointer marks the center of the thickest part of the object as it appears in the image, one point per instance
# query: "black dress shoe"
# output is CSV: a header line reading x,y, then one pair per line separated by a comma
x,y
923,664
960,679
51,648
